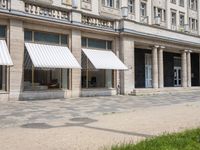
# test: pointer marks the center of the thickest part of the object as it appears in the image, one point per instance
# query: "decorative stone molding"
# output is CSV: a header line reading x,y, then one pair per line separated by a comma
x,y
92,21
4,4
46,12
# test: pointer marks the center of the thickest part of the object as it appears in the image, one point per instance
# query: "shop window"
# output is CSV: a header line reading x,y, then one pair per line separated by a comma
x,y
44,78
91,77
97,78
3,69
3,74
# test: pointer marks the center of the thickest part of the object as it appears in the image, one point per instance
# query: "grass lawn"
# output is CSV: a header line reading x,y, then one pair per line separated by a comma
x,y
188,140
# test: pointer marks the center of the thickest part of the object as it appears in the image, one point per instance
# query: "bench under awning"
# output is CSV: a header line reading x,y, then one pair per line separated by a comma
x,y
5,59
51,56
104,59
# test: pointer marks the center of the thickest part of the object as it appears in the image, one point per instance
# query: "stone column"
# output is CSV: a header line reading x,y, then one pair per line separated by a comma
x,y
155,66
183,69
127,77
160,67
76,73
17,54
189,84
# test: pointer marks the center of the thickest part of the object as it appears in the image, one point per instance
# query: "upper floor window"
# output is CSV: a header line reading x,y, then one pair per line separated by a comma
x,y
173,1
182,19
173,18
193,4
111,3
193,23
143,9
131,6
158,12
181,3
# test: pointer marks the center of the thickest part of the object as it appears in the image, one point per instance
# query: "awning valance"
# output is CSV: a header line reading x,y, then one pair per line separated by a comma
x,y
104,59
5,58
51,56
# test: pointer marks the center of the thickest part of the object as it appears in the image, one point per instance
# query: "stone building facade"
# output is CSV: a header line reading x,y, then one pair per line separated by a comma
x,y
72,48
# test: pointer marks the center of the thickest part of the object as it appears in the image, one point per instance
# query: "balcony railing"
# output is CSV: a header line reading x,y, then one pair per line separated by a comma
x,y
4,4
97,22
46,12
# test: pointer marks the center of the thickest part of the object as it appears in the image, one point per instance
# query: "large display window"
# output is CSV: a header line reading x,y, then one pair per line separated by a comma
x,y
44,78
91,77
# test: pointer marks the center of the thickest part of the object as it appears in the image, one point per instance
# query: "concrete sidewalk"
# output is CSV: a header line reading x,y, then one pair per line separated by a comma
x,y
94,123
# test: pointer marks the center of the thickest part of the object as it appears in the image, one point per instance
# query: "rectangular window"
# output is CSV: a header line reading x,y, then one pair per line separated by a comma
x,y
143,11
131,6
193,23
111,3
46,37
64,40
96,43
182,20
173,18
28,35
42,78
193,4
181,3
2,31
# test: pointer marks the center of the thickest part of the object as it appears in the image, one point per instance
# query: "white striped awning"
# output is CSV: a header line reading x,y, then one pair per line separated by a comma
x,y
51,56
5,59
104,59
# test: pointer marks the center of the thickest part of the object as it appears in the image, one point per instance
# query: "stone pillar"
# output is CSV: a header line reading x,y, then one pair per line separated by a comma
x,y
155,66
76,73
160,67
127,77
189,84
17,54
183,69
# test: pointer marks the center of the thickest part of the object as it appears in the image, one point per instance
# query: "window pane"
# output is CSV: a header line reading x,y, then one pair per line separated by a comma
x,y
43,79
109,79
84,42
2,31
65,78
95,43
109,44
96,79
46,37
3,78
28,35
64,39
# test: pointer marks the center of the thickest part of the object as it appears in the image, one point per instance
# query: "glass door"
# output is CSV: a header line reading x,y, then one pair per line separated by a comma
x,y
148,70
177,76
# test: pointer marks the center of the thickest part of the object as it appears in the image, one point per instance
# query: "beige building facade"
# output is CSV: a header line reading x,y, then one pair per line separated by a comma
x,y
72,48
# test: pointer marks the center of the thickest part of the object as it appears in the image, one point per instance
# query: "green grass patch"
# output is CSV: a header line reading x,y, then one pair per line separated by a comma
x,y
188,140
